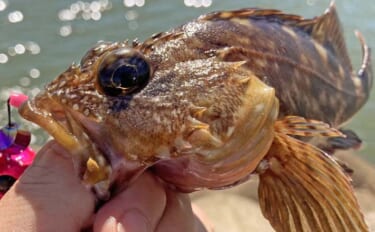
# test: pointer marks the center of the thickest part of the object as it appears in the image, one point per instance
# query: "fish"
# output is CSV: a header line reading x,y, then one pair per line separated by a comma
x,y
210,103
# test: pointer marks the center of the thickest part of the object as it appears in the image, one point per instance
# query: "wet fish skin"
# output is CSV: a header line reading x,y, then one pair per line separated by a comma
x,y
227,95
305,60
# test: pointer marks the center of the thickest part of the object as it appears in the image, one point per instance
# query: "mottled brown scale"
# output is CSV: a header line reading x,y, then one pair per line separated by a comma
x,y
227,96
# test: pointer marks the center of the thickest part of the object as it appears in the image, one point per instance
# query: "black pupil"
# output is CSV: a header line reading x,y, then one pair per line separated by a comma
x,y
5,183
126,76
122,73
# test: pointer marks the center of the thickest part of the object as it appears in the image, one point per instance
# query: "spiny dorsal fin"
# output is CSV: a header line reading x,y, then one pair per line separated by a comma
x,y
326,30
365,73
252,13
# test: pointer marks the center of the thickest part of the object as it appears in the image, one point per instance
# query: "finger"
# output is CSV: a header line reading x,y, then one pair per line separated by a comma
x,y
49,195
137,209
178,215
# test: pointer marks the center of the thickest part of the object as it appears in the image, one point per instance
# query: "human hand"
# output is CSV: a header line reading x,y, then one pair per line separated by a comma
x,y
50,197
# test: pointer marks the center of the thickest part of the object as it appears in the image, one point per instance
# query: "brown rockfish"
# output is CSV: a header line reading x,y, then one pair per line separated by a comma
x,y
209,103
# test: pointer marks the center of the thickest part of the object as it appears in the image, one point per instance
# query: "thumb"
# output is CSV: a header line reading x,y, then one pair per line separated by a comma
x,y
49,196
138,208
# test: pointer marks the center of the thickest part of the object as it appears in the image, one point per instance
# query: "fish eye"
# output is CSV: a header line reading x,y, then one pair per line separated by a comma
x,y
122,72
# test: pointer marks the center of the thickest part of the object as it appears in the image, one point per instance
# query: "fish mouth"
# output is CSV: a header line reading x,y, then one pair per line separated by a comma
x,y
57,120
62,124
99,165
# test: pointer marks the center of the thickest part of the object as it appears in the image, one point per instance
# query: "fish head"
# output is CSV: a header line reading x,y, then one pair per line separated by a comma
x,y
132,103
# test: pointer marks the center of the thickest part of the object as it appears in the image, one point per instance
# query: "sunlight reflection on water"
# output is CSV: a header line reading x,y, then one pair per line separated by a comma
x,y
15,16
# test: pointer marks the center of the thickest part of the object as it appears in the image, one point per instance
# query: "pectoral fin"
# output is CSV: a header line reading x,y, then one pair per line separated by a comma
x,y
351,141
303,189
299,126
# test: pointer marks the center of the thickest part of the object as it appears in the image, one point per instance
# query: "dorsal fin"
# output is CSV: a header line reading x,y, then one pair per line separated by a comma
x,y
252,13
365,73
326,30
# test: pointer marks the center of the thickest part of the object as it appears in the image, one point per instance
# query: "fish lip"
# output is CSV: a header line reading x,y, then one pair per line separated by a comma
x,y
64,125
57,120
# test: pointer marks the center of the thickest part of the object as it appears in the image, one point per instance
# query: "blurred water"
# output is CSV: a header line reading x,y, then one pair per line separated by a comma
x,y
40,38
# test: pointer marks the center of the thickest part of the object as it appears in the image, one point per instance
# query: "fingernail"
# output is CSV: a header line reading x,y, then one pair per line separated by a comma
x,y
120,228
133,221
110,225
